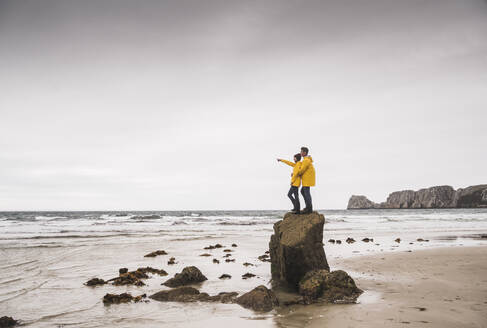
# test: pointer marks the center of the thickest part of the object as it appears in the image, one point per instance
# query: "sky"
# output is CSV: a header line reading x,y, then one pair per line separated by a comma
x,y
186,104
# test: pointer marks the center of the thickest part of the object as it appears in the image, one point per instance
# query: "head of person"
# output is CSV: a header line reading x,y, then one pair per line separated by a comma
x,y
304,151
297,158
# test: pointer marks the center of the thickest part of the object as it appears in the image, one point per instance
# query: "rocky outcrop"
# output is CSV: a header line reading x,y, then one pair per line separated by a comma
x,y
258,299
189,275
473,196
332,287
360,202
434,197
296,247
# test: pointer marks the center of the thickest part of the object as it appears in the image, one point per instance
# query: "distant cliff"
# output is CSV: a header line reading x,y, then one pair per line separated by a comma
x,y
434,197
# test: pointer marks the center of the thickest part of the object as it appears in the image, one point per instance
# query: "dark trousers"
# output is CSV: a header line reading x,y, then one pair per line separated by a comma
x,y
294,196
307,197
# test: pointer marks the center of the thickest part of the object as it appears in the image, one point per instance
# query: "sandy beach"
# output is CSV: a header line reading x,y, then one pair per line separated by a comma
x,y
444,287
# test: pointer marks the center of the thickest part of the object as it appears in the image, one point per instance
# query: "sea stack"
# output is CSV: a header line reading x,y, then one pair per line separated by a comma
x,y
300,272
433,197
296,247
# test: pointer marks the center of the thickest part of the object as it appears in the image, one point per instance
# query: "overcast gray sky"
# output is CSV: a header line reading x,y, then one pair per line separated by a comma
x,y
109,105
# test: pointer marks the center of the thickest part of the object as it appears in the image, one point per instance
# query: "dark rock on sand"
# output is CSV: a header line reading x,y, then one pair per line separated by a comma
x,y
264,258
248,264
216,261
130,278
109,299
180,294
296,247
171,261
234,245
227,255
160,272
433,197
230,260
331,241
398,240
189,275
258,299
338,241
95,282
213,246
156,253
366,240
190,294
227,250
205,254
334,287
350,240
225,276
7,322
248,275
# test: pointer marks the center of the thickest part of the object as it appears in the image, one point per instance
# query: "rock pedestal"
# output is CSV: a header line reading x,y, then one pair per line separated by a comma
x,y
296,247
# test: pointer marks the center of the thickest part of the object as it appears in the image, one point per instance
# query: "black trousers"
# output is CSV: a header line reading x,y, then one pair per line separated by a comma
x,y
294,196
307,197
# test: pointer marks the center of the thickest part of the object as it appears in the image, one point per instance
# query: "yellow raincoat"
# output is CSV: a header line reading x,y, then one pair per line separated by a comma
x,y
307,172
295,179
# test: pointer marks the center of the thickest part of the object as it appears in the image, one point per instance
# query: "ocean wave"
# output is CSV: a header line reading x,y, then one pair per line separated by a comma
x,y
67,236
179,223
145,217
233,223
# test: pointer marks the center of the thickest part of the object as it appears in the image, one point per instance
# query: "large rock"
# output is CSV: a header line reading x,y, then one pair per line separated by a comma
x,y
296,247
258,299
189,275
334,287
433,197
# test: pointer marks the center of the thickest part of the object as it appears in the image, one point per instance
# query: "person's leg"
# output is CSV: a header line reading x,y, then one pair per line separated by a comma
x,y
291,195
304,197
297,206
307,198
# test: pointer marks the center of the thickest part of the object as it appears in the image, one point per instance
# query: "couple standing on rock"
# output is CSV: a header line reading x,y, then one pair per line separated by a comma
x,y
303,172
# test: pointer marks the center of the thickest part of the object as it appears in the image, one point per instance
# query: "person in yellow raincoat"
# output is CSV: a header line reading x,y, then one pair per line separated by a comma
x,y
295,182
308,179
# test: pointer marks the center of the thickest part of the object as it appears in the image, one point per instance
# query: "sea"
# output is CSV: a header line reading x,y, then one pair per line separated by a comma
x,y
46,257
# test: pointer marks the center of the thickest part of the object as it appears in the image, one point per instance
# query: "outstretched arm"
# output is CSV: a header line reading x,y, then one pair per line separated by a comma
x,y
286,162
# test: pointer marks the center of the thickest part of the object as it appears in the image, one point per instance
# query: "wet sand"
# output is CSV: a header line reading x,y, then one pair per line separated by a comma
x,y
444,287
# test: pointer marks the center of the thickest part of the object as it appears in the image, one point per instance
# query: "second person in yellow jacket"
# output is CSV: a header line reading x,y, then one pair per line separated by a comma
x,y
308,179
